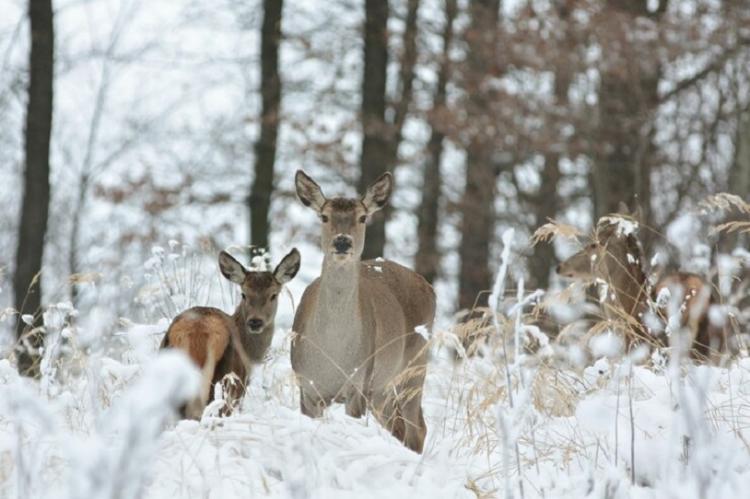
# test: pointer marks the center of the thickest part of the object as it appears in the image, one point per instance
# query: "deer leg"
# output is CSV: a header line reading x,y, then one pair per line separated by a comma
x,y
311,404
194,409
385,409
409,420
356,405
233,391
410,395
412,418
355,397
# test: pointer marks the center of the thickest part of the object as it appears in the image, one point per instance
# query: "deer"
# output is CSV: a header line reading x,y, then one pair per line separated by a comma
x,y
614,258
226,347
358,330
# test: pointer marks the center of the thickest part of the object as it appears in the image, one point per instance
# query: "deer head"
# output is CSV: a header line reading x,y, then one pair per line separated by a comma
x,y
615,257
343,220
582,265
613,245
260,290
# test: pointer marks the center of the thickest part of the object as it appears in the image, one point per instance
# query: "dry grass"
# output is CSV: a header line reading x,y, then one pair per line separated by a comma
x,y
555,392
553,229
729,203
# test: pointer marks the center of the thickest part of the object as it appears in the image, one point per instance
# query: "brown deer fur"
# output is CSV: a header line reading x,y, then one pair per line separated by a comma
x,y
226,346
615,257
355,326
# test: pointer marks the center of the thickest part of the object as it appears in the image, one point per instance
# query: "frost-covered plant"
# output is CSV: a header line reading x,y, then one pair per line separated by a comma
x,y
31,420
107,467
59,330
176,279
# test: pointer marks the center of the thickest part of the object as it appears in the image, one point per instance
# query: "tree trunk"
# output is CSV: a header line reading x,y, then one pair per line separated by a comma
x,y
75,235
406,83
739,175
87,172
547,201
374,155
477,205
628,95
427,259
546,206
35,205
477,228
739,181
265,147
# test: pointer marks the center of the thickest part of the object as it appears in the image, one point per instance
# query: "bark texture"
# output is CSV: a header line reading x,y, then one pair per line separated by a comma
x,y
27,283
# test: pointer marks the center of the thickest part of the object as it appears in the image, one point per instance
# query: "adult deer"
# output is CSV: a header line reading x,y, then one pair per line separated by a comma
x,y
356,326
614,258
223,346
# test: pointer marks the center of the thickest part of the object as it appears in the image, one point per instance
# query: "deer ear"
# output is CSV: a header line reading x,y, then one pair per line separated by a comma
x,y
378,193
308,191
231,268
288,267
638,213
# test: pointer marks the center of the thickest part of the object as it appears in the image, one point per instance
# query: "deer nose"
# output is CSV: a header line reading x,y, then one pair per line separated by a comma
x,y
342,244
255,324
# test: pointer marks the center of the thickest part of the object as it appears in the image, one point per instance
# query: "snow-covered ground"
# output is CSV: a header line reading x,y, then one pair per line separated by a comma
x,y
180,116
101,424
102,436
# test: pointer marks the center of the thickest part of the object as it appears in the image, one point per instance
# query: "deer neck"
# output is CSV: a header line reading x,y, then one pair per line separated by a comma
x,y
626,279
339,291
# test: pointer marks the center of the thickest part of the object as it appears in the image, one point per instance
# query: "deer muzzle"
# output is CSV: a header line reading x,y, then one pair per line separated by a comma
x,y
255,325
342,244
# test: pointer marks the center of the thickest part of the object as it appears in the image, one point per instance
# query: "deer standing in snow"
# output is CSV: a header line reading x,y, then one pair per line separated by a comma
x,y
358,325
614,258
224,346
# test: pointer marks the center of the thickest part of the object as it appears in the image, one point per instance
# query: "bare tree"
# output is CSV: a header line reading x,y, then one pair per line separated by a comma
x,y
739,175
374,155
427,259
265,147
628,98
397,111
546,203
35,206
477,204
89,167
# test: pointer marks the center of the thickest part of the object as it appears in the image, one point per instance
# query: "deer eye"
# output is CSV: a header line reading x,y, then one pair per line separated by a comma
x,y
324,219
273,296
243,296
363,219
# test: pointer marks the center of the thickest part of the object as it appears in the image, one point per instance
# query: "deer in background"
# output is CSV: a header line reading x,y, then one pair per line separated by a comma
x,y
614,258
223,346
358,325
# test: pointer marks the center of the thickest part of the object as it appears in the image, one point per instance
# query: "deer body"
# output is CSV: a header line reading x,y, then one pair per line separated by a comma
x,y
615,258
355,326
225,347
705,340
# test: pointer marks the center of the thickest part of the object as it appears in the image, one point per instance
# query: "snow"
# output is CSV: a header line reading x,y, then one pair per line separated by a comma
x,y
112,428
606,345
423,331
687,234
625,226
100,423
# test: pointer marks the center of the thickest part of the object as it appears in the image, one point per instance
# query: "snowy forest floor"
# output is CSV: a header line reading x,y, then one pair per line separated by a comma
x,y
107,432
100,423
